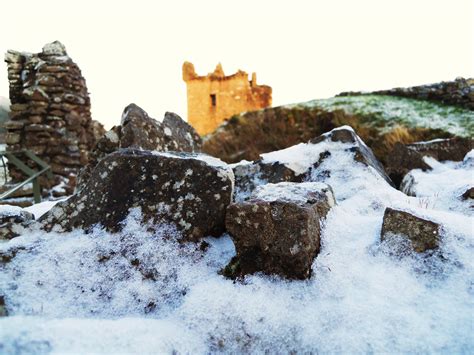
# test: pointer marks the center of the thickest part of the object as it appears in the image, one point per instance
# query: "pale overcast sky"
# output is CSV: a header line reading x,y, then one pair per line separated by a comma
x,y
132,51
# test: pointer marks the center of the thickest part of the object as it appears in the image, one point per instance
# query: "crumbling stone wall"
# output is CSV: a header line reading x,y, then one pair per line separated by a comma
x,y
50,111
215,97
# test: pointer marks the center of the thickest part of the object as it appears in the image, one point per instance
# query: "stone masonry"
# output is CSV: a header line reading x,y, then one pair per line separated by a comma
x,y
215,97
50,111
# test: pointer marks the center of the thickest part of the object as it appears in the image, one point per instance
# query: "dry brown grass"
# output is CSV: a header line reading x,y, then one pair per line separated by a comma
x,y
248,135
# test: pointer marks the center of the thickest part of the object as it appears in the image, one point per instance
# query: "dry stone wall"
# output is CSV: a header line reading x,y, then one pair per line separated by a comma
x,y
50,111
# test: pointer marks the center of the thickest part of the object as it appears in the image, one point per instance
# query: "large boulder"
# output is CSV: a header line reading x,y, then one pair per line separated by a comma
x,y
189,190
277,231
404,158
138,130
410,231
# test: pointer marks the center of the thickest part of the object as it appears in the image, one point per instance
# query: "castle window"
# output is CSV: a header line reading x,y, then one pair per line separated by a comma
x,y
213,100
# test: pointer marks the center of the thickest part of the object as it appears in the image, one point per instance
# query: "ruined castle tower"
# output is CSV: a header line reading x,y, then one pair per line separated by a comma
x,y
215,97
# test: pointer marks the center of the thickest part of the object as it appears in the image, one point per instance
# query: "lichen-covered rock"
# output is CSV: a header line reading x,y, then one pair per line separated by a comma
x,y
188,189
277,231
138,130
13,221
421,234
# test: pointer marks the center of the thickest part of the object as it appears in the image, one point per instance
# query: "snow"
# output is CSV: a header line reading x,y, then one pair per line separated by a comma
x,y
301,156
141,291
112,136
9,210
41,208
443,186
292,192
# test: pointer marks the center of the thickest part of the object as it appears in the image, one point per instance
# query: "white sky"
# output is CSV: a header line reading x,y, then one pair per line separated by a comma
x,y
132,51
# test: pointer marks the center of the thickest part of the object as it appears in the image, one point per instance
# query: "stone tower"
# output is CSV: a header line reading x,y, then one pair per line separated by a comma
x,y
215,97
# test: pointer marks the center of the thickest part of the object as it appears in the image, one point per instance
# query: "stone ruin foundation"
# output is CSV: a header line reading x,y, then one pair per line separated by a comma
x,y
50,114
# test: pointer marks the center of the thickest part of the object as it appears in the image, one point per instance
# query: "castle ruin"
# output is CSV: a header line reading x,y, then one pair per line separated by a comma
x,y
215,97
50,112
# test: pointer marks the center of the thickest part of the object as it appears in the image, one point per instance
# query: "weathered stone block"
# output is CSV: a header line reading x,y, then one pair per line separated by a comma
x,y
422,234
190,190
277,231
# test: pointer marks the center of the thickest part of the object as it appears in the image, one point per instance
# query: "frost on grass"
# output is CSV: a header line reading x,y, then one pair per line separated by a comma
x,y
86,292
443,186
389,111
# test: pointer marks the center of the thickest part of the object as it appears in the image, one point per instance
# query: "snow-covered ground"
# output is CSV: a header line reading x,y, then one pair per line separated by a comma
x,y
140,291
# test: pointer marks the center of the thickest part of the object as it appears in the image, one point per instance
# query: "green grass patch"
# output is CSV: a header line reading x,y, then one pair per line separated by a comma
x,y
388,111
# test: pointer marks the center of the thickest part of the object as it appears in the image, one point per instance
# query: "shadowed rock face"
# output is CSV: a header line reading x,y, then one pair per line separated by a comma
x,y
404,158
277,231
138,130
189,190
422,234
468,194
444,149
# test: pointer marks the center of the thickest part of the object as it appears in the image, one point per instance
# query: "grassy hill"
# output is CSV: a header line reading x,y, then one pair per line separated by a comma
x,y
389,111
379,120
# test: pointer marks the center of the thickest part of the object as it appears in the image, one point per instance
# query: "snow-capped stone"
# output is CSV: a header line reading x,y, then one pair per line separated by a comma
x,y
401,160
180,188
277,231
301,162
301,158
141,131
361,152
249,176
422,234
13,221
